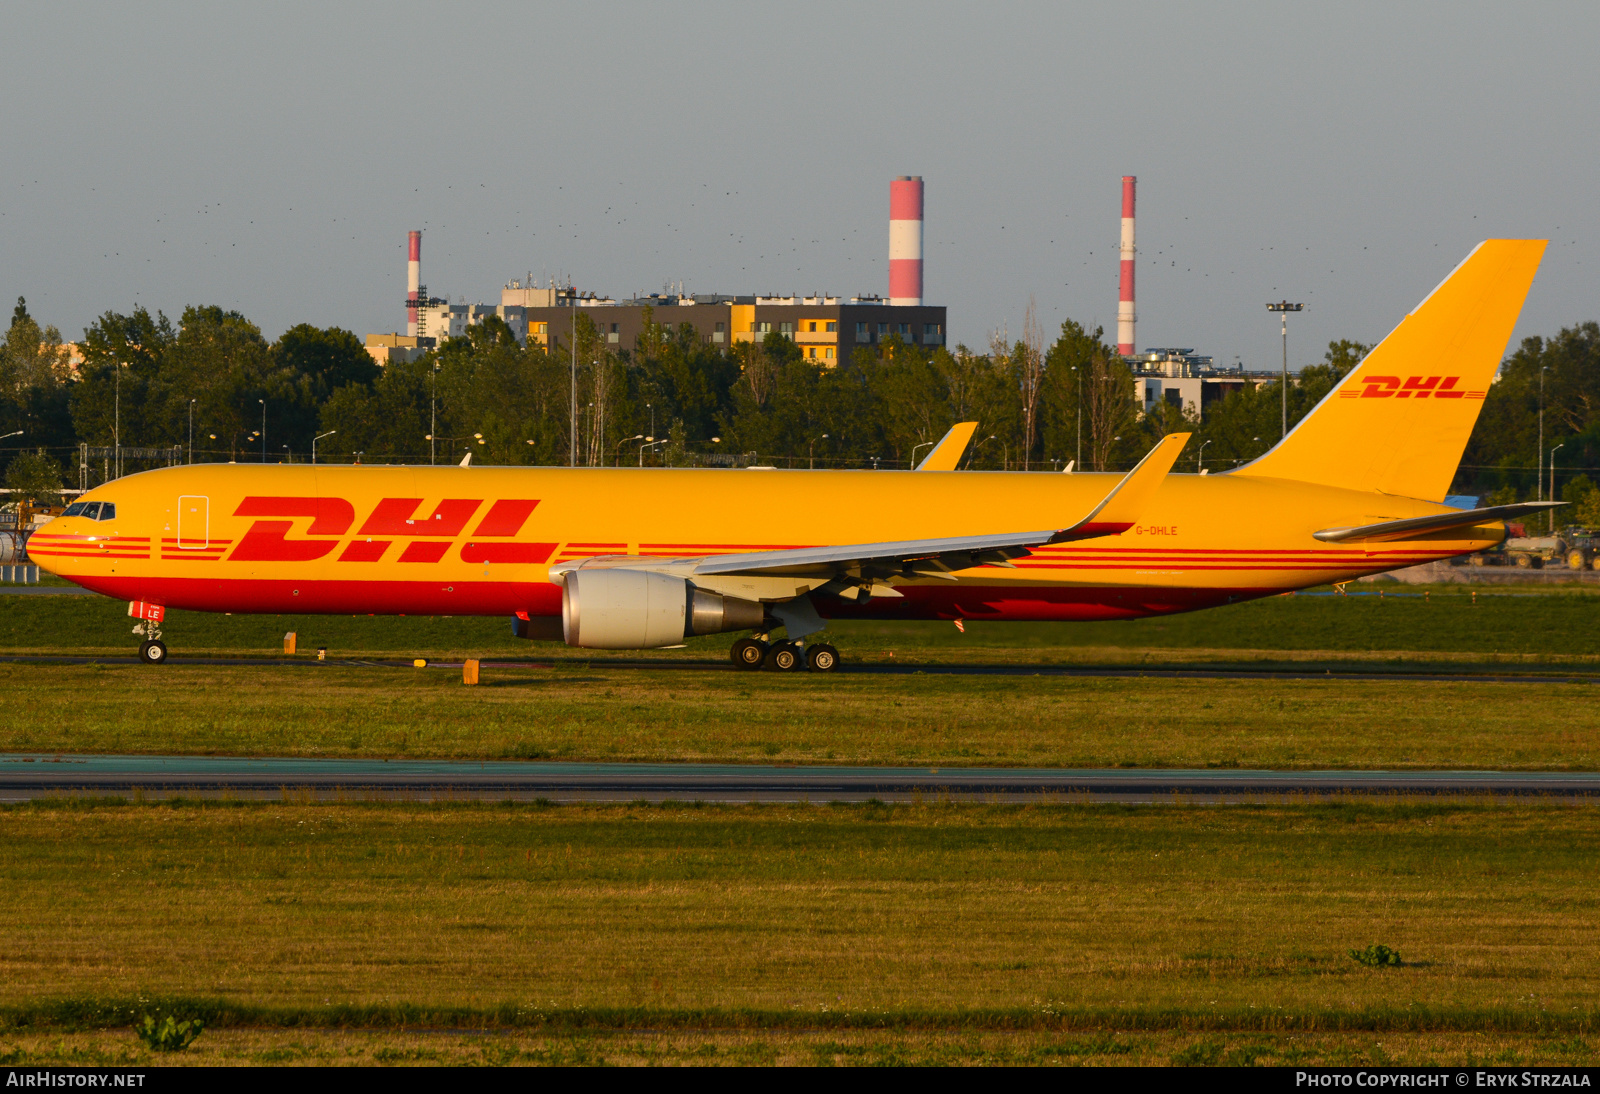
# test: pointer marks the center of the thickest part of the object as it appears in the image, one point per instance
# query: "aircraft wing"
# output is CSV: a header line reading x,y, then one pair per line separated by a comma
x,y
1113,515
1437,522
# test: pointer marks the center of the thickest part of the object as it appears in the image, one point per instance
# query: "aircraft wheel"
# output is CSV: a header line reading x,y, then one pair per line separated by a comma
x,y
783,657
822,658
153,653
748,653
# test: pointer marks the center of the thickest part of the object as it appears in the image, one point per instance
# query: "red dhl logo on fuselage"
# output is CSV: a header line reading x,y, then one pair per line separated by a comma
x,y
1419,387
431,537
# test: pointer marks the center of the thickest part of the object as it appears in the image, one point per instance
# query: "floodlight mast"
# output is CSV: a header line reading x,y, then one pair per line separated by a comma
x,y
1283,308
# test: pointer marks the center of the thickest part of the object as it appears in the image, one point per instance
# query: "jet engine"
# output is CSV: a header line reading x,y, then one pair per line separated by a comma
x,y
636,609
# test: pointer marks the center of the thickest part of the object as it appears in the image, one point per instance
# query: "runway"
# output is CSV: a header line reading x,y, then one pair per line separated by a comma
x,y
1477,674
26,777
45,590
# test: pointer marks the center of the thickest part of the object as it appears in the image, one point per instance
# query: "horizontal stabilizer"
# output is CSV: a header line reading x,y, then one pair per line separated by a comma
x,y
948,452
1438,522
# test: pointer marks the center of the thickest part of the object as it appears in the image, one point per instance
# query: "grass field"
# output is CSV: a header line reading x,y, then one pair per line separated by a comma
x,y
1547,624
416,934
596,712
825,1048
1179,927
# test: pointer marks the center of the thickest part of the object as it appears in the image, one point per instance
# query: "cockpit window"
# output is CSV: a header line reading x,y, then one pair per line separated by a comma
x,y
75,509
108,511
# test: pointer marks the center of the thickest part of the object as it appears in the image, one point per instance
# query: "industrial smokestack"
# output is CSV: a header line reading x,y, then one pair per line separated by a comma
x,y
905,240
413,279
1125,312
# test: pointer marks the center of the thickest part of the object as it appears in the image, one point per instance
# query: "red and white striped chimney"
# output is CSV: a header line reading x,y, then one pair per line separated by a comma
x,y
413,279
905,240
1125,312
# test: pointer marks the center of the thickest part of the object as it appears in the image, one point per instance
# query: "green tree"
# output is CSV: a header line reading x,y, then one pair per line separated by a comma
x,y
332,357
122,355
981,389
35,476
1504,452
35,378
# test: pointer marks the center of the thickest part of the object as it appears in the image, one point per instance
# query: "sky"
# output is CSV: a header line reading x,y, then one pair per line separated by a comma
x,y
270,158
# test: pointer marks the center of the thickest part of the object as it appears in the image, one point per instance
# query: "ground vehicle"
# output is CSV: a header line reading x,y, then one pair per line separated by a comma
x,y
1534,552
1577,548
1583,548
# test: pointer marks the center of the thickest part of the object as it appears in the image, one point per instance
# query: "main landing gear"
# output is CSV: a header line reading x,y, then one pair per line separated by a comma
x,y
755,653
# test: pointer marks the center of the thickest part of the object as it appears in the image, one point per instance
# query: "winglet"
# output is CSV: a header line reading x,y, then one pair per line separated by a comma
x,y
1121,508
947,453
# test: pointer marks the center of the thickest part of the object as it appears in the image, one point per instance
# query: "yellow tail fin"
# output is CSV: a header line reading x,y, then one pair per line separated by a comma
x,y
947,453
1400,420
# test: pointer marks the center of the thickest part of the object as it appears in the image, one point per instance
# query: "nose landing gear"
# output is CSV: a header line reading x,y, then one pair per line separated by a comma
x,y
152,651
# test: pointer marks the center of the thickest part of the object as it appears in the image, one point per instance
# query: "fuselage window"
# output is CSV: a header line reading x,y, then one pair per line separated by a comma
x,y
108,511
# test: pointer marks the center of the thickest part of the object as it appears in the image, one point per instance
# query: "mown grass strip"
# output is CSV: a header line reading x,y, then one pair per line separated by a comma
x,y
80,1014
1450,620
607,714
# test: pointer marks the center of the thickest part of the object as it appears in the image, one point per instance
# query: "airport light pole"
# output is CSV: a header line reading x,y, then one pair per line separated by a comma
x,y
651,444
973,454
616,452
1200,458
317,438
1538,456
263,403
1078,461
914,448
811,452
1283,308
574,457
433,415
191,430
1550,514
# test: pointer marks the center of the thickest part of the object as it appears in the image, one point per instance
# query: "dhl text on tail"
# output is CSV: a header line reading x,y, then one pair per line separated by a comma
x,y
639,558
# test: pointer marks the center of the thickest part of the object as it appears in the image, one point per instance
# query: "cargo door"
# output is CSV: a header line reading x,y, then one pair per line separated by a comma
x,y
194,522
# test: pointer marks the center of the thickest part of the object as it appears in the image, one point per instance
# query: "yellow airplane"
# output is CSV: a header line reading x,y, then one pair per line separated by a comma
x,y
620,558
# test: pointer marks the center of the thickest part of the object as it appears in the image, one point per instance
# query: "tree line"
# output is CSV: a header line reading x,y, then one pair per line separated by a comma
x,y
212,382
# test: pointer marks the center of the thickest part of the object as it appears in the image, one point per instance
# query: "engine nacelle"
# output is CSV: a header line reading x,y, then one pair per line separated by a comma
x,y
635,609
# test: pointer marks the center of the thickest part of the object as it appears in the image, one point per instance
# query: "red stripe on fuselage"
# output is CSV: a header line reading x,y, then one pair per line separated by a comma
x,y
1044,603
